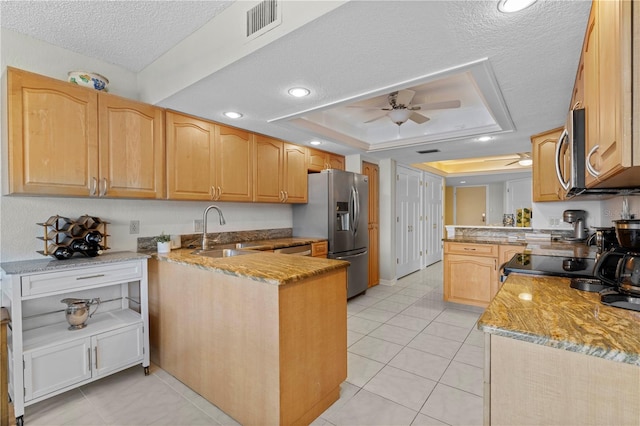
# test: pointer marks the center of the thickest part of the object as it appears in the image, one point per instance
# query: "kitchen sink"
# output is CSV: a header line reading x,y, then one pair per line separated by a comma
x,y
217,253
249,244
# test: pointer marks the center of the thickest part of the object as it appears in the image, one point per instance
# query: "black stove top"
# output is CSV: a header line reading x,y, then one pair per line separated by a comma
x,y
558,266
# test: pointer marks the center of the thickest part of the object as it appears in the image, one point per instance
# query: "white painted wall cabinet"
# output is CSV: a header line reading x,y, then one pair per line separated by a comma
x,y
45,357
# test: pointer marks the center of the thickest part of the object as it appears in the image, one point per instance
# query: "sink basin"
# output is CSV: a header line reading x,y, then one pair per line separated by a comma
x,y
248,244
217,253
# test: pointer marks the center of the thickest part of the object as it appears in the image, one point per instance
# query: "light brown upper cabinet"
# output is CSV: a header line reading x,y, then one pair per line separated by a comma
x,y
546,186
131,141
611,160
318,160
208,161
280,172
74,141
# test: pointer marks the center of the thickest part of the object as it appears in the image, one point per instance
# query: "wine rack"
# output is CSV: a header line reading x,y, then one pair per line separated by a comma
x,y
63,237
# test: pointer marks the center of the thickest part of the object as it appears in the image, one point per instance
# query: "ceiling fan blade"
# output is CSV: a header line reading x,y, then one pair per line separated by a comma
x,y
377,117
418,118
439,105
404,97
513,162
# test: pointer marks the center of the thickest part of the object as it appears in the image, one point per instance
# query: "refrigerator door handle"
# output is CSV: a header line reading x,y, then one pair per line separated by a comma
x,y
356,220
351,256
352,209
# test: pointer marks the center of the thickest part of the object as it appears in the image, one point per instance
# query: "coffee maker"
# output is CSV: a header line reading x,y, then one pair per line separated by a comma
x,y
577,217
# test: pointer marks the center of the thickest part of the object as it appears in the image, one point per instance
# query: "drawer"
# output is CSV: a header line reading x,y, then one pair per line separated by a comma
x,y
72,279
490,250
319,249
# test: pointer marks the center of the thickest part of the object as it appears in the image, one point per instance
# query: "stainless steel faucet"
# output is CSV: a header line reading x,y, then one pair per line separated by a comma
x,y
205,240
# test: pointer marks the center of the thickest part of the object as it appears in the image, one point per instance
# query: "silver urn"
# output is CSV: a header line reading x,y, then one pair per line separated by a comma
x,y
77,311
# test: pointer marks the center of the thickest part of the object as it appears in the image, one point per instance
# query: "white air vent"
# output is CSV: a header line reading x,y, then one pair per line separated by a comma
x,y
263,17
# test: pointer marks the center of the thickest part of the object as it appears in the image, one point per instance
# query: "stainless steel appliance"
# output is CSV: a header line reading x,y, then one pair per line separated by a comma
x,y
577,217
571,160
337,209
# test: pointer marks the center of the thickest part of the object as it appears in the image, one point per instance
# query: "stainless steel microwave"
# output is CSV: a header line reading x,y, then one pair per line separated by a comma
x,y
570,159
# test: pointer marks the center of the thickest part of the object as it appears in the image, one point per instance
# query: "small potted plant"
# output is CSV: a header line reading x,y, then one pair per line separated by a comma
x,y
164,243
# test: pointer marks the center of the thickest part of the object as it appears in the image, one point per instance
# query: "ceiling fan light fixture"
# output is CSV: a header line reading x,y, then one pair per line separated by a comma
x,y
399,116
484,138
299,92
232,114
525,162
315,143
512,6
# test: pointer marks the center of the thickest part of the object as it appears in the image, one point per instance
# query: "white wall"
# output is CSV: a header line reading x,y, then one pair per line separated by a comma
x,y
19,215
546,214
612,208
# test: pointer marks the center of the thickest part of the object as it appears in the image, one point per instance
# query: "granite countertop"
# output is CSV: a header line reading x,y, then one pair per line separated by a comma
x,y
486,240
547,311
48,264
546,248
271,268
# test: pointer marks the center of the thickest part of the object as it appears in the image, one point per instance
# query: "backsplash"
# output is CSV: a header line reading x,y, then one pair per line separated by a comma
x,y
195,240
498,232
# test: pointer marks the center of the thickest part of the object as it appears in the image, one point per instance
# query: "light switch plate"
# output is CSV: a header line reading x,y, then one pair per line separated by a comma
x,y
197,225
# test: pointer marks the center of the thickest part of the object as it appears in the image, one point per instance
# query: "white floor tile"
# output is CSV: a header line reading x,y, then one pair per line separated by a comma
x,y
402,298
410,323
367,408
374,314
354,308
453,406
464,377
362,325
422,312
353,337
375,349
476,338
365,300
422,420
401,386
435,345
360,369
394,334
421,363
472,355
382,291
69,408
459,318
347,391
391,306
448,331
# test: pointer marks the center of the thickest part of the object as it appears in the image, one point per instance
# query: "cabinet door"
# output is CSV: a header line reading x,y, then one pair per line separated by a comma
x,y
294,177
268,168
53,368
53,141
117,349
591,82
131,143
234,164
316,160
613,52
190,158
546,186
336,162
470,279
372,171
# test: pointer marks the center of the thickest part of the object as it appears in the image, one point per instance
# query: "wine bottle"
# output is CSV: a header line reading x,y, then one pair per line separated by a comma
x,y
63,252
93,237
78,244
94,250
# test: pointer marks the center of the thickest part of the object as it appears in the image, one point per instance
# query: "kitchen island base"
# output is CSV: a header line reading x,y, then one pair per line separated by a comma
x,y
263,353
532,384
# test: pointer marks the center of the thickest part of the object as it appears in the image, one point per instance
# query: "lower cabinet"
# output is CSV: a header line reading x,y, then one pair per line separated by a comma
x,y
320,249
471,271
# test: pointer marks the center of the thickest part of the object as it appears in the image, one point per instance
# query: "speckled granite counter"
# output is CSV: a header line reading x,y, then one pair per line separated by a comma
x,y
485,240
277,269
546,311
50,264
546,248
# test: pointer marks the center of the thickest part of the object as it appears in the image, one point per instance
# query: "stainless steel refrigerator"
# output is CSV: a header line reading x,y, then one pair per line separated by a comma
x,y
337,210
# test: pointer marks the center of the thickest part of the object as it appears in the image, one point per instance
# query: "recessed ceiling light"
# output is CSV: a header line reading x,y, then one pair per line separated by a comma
x,y
315,143
463,181
511,6
525,162
484,138
232,114
299,92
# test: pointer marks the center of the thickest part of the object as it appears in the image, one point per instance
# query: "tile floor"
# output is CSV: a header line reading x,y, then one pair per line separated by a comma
x,y
412,360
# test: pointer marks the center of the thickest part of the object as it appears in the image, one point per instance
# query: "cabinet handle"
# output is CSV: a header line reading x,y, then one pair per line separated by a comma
x,y
212,192
95,350
103,187
592,171
90,276
468,249
282,197
495,264
286,195
219,193
93,188
89,357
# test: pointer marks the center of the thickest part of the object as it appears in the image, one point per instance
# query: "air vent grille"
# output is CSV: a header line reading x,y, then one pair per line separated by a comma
x,y
428,151
263,17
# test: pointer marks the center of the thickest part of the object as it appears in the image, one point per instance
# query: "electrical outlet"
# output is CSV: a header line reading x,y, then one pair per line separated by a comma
x,y
197,225
134,227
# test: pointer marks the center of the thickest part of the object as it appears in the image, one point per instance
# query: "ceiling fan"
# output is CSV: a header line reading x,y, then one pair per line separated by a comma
x,y
524,159
400,109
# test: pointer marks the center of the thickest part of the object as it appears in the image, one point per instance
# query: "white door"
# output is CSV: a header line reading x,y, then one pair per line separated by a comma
x,y
432,219
50,369
117,349
407,221
518,195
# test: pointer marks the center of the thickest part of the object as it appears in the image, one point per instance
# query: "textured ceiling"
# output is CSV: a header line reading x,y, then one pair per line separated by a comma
x,y
352,53
131,34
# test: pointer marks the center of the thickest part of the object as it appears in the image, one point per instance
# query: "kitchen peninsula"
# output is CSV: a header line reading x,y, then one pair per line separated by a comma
x,y
556,355
260,335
